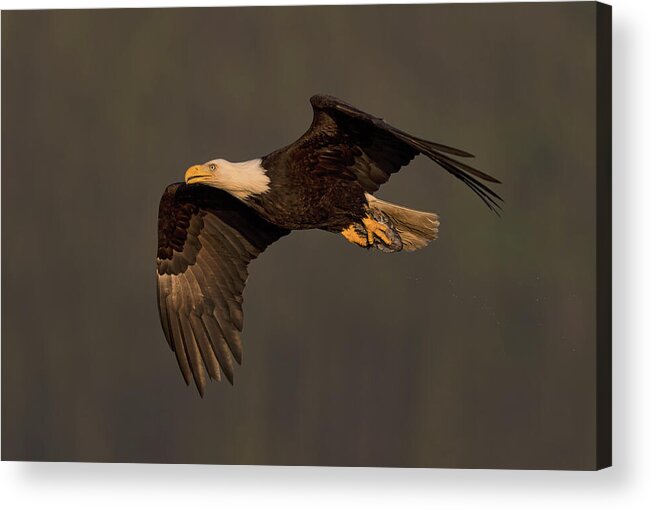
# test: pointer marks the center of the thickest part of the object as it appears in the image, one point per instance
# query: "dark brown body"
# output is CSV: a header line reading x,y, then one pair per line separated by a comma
x,y
299,200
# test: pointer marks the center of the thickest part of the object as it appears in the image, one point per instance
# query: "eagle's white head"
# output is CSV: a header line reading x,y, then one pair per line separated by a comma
x,y
242,180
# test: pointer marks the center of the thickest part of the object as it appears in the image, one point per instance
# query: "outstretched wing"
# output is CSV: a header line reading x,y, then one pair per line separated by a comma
x,y
359,146
206,239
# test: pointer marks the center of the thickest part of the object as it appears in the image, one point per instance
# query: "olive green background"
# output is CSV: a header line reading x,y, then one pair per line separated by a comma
x,y
478,351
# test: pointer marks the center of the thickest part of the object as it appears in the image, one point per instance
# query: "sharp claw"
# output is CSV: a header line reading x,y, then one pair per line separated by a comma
x,y
377,227
352,235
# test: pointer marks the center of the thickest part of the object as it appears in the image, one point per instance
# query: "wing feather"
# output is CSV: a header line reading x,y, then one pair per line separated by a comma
x,y
179,346
223,351
226,298
206,239
192,350
219,341
205,346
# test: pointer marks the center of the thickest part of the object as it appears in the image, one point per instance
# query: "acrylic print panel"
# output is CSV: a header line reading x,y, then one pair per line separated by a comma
x,y
488,348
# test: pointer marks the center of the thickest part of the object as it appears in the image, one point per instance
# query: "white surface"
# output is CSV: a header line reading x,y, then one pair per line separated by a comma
x,y
626,485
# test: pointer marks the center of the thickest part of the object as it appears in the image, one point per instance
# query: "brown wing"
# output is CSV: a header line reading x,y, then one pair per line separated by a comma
x,y
359,146
206,239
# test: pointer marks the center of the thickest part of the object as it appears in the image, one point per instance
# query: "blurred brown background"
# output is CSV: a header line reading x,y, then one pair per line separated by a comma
x,y
478,351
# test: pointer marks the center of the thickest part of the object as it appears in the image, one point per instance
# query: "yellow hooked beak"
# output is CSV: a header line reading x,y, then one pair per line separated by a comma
x,y
197,174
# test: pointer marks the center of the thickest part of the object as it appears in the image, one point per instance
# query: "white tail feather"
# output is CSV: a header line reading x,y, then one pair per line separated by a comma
x,y
416,228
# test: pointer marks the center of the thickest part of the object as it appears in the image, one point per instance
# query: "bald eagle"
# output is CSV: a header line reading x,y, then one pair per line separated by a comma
x,y
226,214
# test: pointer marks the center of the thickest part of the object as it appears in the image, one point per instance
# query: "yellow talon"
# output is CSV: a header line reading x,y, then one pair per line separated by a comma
x,y
376,229
352,236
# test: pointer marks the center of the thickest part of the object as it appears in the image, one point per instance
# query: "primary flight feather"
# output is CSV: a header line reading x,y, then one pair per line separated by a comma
x,y
226,214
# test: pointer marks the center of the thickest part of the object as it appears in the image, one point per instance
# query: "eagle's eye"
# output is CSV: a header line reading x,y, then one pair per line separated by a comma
x,y
212,167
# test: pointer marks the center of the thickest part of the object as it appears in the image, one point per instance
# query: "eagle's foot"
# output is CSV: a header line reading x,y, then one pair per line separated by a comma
x,y
380,233
355,234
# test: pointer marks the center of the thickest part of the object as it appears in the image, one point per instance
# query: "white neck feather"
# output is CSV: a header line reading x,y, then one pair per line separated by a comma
x,y
241,179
